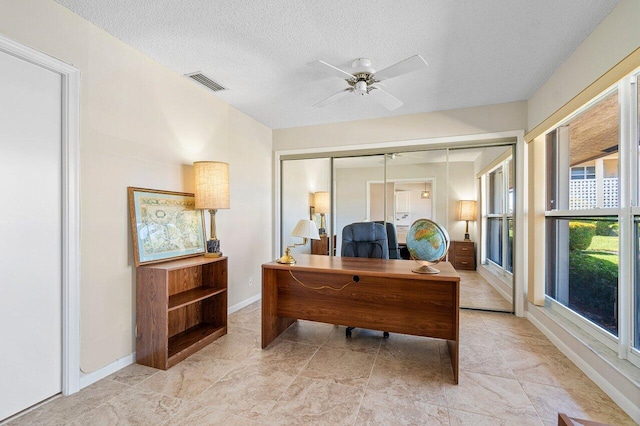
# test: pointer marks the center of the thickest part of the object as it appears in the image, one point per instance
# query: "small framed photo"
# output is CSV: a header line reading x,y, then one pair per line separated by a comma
x,y
164,225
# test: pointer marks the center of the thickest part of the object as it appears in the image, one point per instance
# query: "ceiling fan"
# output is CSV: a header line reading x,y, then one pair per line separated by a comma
x,y
364,80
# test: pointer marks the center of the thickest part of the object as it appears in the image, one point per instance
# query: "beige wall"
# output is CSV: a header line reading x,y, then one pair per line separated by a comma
x,y
143,125
465,121
300,179
616,37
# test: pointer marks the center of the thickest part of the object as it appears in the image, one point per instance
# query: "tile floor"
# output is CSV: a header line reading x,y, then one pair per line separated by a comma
x,y
509,374
477,293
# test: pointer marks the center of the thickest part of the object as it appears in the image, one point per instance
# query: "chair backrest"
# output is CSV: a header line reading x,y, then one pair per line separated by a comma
x,y
392,239
365,239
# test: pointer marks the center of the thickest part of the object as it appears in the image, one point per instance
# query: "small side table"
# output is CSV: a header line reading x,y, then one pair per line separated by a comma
x,y
321,246
462,255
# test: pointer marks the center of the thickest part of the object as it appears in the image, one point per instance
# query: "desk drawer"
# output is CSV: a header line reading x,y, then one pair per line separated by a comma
x,y
465,262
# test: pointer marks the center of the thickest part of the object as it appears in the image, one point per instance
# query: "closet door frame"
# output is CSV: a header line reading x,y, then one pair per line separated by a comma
x,y
70,205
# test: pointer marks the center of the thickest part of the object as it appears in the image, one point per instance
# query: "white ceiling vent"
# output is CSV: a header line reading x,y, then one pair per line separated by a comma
x,y
206,81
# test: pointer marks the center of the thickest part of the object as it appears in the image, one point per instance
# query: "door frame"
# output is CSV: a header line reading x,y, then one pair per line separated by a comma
x,y
70,138
431,180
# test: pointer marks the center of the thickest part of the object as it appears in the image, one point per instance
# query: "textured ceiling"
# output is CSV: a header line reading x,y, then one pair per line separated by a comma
x,y
479,52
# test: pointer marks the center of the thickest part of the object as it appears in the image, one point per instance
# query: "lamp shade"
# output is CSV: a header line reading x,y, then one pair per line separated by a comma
x,y
321,202
306,228
467,210
212,185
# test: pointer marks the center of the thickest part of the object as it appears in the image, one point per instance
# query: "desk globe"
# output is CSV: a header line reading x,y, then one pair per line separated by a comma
x,y
428,244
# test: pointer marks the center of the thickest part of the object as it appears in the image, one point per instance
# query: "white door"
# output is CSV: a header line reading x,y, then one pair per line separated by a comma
x,y
30,234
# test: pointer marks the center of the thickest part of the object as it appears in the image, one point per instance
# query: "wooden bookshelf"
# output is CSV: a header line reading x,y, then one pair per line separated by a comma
x,y
181,306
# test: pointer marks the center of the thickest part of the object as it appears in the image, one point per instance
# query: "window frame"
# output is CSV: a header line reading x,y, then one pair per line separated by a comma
x,y
627,343
504,216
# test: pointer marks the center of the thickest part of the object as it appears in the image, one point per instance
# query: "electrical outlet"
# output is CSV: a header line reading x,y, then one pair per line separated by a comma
x,y
250,282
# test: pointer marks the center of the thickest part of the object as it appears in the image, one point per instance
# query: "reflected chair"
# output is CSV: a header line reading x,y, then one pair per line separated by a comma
x,y
392,240
365,239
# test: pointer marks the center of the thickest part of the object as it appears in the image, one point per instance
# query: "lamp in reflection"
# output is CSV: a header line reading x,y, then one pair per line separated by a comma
x,y
305,229
426,194
467,212
322,206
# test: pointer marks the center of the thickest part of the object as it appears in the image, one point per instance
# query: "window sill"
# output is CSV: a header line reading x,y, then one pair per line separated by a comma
x,y
619,378
496,277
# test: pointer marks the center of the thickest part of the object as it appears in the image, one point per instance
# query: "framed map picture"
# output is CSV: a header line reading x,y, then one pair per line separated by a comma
x,y
164,225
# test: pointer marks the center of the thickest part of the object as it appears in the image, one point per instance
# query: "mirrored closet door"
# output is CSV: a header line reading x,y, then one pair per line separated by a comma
x,y
469,191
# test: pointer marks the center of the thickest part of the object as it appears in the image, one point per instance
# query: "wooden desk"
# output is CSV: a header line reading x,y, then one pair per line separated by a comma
x,y
378,294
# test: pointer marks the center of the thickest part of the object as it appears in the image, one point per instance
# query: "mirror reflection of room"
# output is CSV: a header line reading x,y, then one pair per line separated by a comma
x,y
469,191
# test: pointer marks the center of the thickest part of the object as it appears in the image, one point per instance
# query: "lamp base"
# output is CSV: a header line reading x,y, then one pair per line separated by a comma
x,y
286,258
213,248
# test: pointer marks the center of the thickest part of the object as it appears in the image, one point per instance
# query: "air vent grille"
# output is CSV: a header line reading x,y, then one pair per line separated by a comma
x,y
206,81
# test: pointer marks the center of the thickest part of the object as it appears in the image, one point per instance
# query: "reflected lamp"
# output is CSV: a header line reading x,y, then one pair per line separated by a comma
x,y
426,194
322,206
306,228
467,212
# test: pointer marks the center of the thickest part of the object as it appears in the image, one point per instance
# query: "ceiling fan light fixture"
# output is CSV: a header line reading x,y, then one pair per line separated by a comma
x,y
363,79
360,88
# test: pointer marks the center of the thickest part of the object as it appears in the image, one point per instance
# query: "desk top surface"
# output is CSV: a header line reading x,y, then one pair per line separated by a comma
x,y
364,266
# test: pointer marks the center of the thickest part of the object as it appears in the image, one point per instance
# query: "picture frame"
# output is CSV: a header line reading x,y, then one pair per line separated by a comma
x,y
164,225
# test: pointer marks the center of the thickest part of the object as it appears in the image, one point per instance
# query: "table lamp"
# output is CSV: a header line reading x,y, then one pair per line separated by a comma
x,y
212,193
306,228
467,212
322,206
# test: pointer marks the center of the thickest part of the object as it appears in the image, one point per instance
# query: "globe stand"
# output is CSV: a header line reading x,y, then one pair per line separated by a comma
x,y
426,269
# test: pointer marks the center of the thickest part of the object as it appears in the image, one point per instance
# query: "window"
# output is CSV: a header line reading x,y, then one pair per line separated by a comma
x,y
583,272
499,201
636,314
589,261
582,172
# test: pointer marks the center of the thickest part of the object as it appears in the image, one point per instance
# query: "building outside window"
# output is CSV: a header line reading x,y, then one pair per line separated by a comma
x,y
583,172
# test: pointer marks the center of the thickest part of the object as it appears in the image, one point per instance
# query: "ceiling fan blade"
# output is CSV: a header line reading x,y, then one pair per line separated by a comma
x,y
385,99
328,68
411,64
331,99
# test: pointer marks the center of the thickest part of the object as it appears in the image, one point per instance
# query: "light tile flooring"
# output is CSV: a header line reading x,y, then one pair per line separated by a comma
x,y
477,293
509,374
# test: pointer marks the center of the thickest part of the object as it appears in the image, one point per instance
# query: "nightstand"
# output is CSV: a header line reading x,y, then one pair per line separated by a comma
x,y
321,246
462,255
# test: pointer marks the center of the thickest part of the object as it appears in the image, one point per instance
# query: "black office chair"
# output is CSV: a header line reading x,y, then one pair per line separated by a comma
x,y
392,239
365,239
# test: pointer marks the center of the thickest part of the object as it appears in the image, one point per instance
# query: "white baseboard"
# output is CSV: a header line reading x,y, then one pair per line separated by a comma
x,y
87,379
501,287
607,382
244,303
